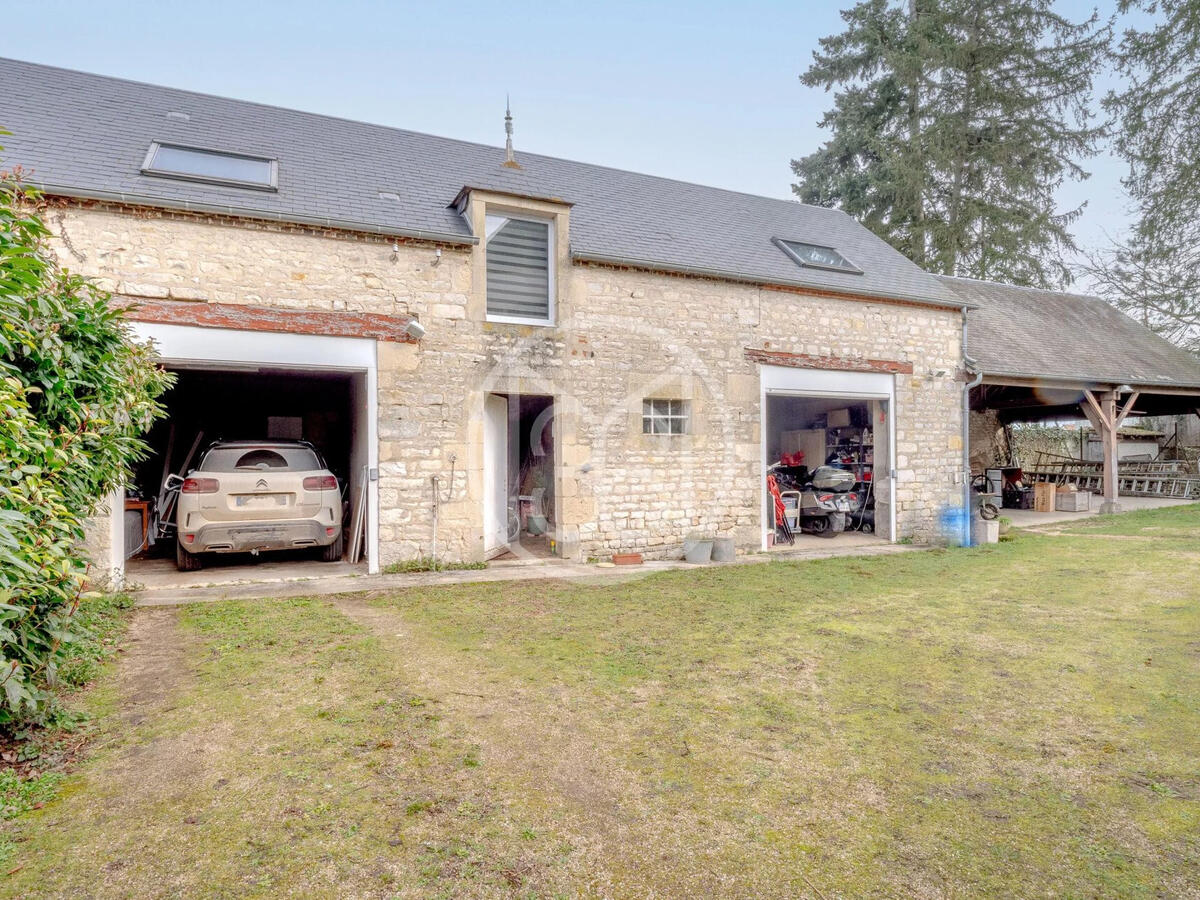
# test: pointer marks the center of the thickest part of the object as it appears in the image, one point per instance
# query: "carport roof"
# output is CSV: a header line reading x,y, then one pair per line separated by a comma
x,y
82,135
1026,333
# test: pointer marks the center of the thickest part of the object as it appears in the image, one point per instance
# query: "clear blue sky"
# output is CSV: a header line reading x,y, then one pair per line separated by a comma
x,y
705,92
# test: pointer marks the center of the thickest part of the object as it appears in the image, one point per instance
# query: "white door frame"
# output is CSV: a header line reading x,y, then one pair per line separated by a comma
x,y
495,474
232,349
791,382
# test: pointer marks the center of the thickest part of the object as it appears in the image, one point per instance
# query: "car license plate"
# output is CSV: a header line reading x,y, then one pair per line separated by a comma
x,y
258,500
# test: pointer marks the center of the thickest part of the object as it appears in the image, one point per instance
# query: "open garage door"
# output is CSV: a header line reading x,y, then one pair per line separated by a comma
x,y
300,387
813,418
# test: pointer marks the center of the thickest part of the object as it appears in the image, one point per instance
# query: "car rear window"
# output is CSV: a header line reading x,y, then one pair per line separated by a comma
x,y
242,459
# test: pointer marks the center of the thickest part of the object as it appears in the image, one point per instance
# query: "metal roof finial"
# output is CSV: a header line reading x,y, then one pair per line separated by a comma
x,y
509,160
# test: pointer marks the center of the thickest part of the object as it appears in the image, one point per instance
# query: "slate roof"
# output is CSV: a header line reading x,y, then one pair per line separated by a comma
x,y
1025,332
87,135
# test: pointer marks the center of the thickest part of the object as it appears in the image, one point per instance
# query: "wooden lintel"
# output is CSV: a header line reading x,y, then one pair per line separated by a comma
x,y
264,318
837,363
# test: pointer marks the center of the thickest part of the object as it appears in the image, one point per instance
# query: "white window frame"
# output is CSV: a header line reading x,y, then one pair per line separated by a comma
x,y
551,267
148,167
785,244
648,416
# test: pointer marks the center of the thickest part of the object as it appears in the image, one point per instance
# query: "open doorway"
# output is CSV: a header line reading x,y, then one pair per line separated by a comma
x,y
211,403
520,476
828,456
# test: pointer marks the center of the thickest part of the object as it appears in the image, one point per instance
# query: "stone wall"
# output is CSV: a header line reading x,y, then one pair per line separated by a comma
x,y
987,440
620,336
98,546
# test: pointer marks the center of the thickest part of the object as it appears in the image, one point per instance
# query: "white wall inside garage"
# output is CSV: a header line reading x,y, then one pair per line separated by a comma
x,y
788,381
219,348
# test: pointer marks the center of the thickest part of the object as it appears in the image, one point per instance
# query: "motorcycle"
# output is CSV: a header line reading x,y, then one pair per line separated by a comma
x,y
827,501
823,500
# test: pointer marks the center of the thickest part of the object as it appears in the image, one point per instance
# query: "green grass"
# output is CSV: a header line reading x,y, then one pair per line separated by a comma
x,y
1017,720
1175,523
99,623
988,722
429,564
292,753
38,754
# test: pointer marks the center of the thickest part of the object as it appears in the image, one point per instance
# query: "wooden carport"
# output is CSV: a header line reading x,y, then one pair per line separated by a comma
x,y
1105,406
1045,355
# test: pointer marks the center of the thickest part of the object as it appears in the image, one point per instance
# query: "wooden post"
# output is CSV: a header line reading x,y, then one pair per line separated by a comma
x,y
1108,406
1107,419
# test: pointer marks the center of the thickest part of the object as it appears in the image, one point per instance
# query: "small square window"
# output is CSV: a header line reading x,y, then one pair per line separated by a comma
x,y
816,256
211,166
665,416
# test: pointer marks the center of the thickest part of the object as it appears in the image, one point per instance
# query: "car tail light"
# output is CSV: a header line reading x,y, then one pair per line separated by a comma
x,y
200,486
329,532
853,498
320,483
188,538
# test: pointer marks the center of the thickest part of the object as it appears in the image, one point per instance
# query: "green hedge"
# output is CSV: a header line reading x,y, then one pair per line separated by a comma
x,y
76,396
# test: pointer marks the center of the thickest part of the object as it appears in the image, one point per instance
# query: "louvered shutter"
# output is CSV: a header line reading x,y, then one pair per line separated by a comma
x,y
518,270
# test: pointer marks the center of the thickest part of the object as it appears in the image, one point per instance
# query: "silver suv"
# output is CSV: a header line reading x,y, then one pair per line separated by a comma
x,y
249,496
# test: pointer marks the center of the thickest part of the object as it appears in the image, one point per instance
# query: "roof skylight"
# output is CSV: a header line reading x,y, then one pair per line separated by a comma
x,y
816,256
211,166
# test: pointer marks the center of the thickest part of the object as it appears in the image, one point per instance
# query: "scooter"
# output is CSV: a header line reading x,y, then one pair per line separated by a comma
x,y
827,501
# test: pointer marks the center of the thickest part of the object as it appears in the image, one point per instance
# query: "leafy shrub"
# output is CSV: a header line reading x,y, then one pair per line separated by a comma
x,y
76,394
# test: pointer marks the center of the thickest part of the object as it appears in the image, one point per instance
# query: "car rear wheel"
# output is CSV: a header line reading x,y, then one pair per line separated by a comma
x,y
333,553
186,562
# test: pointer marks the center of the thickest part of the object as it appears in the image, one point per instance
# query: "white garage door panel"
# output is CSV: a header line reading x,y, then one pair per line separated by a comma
x,y
818,382
187,343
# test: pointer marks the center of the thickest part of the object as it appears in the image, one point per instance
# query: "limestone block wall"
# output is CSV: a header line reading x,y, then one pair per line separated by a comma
x,y
98,544
620,336
986,439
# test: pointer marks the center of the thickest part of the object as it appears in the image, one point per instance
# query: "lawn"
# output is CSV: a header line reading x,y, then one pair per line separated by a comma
x,y
1021,720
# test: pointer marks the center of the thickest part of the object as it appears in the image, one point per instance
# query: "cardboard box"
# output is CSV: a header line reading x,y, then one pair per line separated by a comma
x,y
1043,496
1073,501
838,418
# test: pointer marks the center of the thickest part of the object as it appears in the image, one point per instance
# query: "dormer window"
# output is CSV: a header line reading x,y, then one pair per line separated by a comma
x,y
211,166
520,274
816,256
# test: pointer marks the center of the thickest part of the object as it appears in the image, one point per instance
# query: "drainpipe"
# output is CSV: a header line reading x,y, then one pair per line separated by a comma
x,y
437,490
971,366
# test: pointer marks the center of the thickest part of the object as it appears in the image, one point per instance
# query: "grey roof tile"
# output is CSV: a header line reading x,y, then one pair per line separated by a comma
x,y
87,135
1018,331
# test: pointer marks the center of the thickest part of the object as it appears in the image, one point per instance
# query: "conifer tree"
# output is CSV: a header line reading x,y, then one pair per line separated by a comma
x,y
1154,273
954,123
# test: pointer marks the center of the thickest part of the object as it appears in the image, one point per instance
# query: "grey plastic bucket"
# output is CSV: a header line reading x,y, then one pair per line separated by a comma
x,y
698,550
723,550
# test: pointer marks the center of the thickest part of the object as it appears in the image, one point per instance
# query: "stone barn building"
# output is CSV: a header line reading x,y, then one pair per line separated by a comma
x,y
483,342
